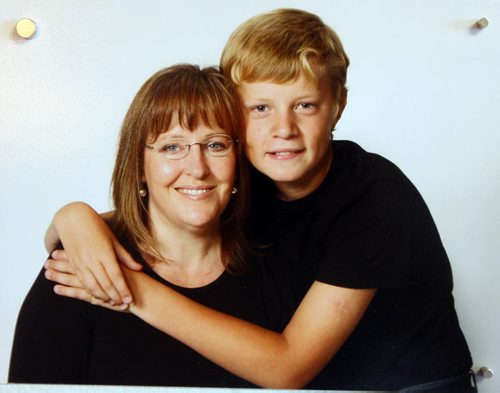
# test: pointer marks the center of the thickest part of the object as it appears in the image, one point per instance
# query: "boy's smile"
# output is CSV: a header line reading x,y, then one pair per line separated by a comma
x,y
288,132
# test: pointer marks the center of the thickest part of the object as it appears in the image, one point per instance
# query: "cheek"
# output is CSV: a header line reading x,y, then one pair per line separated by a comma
x,y
253,139
223,169
324,129
159,172
227,170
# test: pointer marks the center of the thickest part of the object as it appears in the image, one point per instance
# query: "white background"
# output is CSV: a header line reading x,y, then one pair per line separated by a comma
x,y
424,92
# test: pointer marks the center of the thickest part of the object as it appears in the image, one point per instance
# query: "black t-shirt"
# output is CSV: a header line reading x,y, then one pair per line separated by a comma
x,y
367,226
61,340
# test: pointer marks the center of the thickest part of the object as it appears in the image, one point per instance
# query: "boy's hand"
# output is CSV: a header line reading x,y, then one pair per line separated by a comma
x,y
93,253
69,285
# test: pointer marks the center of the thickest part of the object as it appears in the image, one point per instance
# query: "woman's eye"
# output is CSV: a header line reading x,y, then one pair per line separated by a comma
x,y
171,148
216,146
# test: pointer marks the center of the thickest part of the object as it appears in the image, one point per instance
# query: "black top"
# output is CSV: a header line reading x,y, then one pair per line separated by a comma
x,y
367,226
61,340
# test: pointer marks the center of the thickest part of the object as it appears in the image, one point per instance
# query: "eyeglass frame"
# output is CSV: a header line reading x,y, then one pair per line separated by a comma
x,y
202,144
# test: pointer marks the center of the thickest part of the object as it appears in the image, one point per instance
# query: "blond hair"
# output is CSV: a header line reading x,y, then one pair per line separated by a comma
x,y
192,96
283,44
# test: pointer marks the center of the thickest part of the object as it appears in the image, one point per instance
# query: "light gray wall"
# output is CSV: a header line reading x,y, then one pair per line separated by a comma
x,y
424,92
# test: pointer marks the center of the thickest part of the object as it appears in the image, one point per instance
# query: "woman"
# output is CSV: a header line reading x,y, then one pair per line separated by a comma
x,y
371,280
180,195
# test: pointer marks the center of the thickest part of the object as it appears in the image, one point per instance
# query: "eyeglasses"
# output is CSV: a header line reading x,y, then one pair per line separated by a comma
x,y
216,145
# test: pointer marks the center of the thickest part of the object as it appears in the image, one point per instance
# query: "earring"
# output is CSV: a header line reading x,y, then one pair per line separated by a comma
x,y
234,191
143,192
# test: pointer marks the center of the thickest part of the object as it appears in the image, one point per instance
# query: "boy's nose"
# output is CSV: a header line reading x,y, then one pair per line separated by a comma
x,y
286,126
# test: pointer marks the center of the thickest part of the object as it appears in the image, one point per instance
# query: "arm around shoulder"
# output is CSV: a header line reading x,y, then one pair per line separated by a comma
x,y
93,252
324,320
64,217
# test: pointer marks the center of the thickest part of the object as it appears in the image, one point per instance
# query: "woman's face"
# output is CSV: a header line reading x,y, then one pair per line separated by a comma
x,y
288,132
191,192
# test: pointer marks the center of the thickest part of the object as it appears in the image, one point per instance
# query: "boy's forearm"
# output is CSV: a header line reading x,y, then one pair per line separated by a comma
x,y
247,350
324,320
51,239
68,215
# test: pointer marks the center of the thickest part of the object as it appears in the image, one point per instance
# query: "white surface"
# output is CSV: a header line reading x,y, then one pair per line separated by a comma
x,y
24,388
424,92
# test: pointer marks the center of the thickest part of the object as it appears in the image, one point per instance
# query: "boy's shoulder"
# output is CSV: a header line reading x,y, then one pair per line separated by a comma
x,y
355,167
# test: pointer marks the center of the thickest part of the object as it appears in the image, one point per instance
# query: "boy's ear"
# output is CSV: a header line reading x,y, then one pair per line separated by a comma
x,y
342,103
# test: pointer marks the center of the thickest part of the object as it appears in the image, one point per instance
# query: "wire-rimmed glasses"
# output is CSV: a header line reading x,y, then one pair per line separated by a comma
x,y
215,145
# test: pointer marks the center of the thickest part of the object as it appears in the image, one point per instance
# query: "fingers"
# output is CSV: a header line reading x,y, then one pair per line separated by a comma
x,y
82,294
60,263
117,275
118,288
63,278
59,255
73,288
115,307
99,272
125,258
74,293
60,266
97,282
102,284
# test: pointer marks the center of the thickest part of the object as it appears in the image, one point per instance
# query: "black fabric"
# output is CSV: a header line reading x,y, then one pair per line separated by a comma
x,y
367,226
465,383
61,340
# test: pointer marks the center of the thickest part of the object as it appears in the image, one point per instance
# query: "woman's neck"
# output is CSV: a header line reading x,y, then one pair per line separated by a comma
x,y
189,258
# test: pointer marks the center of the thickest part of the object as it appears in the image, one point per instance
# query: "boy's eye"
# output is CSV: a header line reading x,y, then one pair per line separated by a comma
x,y
305,105
260,108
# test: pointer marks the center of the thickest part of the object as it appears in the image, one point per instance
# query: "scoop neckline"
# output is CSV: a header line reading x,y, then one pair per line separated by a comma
x,y
220,278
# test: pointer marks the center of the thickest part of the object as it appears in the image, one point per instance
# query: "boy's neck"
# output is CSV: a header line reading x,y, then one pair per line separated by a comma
x,y
291,191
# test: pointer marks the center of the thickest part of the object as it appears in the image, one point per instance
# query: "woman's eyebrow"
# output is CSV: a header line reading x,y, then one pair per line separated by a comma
x,y
170,136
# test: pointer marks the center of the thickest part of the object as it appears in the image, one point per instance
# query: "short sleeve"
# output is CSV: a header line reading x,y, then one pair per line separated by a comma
x,y
52,338
369,245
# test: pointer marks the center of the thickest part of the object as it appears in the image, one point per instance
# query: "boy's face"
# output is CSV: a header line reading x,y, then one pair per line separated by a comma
x,y
288,131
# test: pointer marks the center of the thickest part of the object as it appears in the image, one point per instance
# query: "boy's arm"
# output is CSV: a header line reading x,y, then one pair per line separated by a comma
x,y
324,320
93,252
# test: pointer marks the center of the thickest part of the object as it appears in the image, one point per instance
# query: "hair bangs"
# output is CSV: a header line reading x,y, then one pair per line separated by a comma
x,y
191,101
282,45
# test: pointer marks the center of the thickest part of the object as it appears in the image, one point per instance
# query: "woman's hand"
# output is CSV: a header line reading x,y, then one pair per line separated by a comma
x,y
69,285
92,252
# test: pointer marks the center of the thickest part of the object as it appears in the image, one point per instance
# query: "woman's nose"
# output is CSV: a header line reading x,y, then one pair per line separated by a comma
x,y
196,162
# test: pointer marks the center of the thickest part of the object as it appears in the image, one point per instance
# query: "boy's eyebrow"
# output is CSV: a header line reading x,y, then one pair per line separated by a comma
x,y
309,96
256,100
